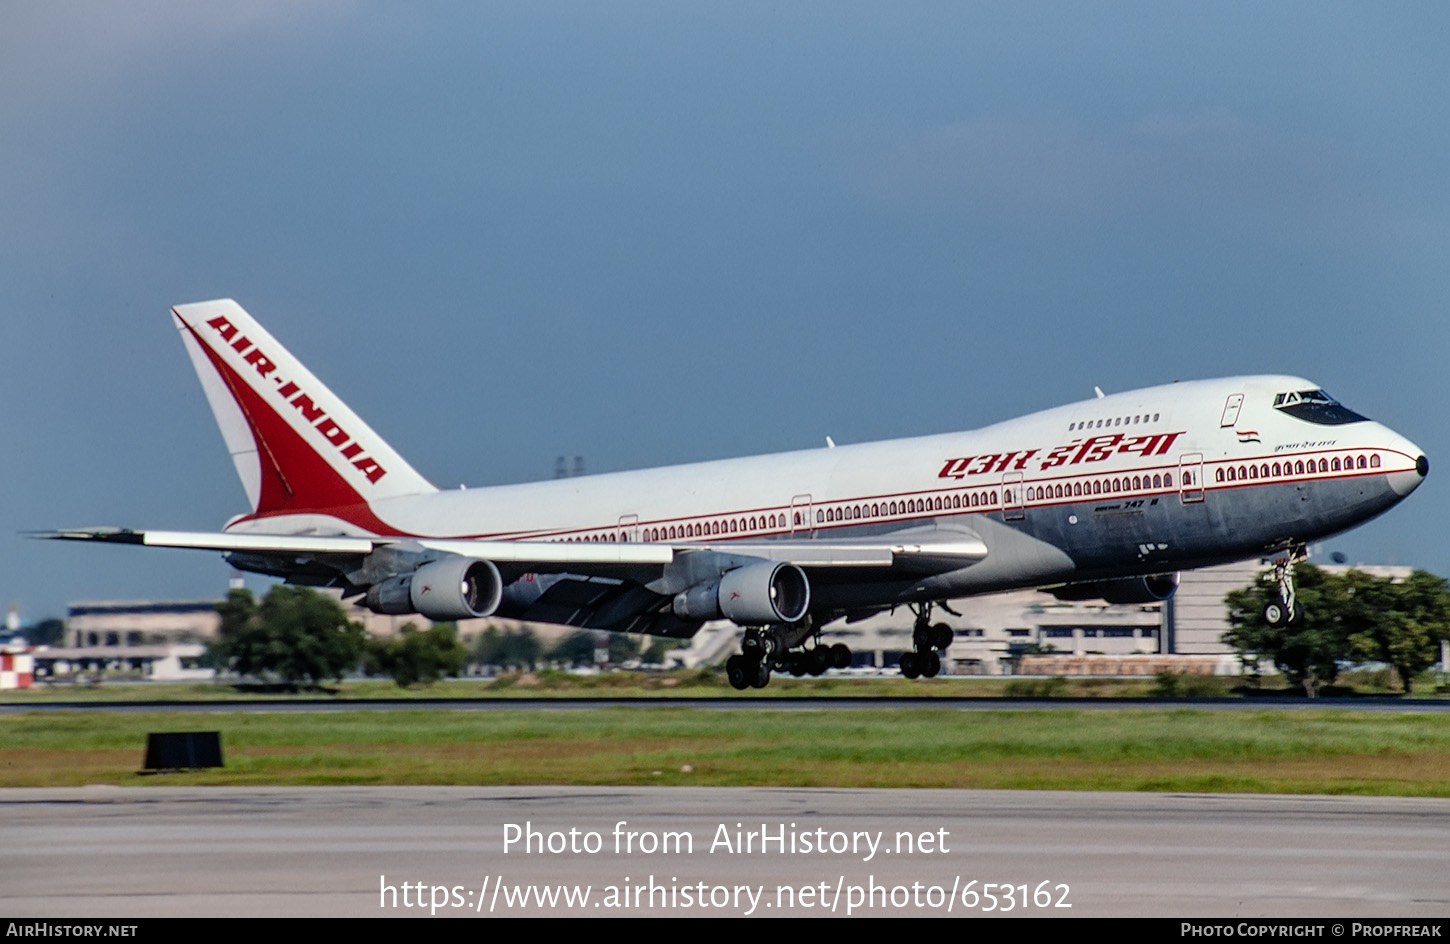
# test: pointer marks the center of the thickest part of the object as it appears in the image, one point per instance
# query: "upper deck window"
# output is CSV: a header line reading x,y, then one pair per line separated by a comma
x,y
1316,406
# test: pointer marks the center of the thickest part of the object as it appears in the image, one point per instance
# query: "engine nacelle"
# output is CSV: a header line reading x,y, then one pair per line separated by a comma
x,y
1153,589
761,593
449,589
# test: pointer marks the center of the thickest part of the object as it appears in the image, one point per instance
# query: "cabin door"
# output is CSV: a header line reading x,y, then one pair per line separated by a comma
x,y
1014,502
1190,477
1231,410
800,517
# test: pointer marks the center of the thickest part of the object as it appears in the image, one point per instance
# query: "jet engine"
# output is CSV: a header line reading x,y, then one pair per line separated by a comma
x,y
1152,589
753,595
448,589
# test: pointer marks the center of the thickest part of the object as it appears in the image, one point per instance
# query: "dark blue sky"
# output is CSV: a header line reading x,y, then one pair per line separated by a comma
x,y
658,232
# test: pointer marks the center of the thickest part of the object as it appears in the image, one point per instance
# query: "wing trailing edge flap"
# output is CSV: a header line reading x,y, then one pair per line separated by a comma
x,y
598,603
925,549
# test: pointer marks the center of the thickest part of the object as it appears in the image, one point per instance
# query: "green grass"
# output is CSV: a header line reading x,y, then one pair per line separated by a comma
x,y
1314,751
693,684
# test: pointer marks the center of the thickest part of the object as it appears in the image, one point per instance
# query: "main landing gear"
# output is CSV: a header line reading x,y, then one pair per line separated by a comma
x,y
928,641
1286,609
771,649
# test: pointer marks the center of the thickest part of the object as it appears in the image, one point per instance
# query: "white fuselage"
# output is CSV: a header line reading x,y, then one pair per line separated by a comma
x,y
1138,482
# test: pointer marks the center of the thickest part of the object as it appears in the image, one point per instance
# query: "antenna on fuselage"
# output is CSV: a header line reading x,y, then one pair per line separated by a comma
x,y
563,471
1098,391
830,443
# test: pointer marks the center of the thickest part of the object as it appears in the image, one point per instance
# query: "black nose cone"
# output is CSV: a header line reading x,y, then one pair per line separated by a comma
x,y
1422,466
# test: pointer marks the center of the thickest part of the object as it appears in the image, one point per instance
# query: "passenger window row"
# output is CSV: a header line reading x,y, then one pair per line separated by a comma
x,y
982,499
1113,421
1250,471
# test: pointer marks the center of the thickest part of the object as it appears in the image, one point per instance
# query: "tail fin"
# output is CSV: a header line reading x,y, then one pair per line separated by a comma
x,y
297,447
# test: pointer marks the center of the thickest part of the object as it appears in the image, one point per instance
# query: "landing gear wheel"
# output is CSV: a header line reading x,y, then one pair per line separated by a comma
x,y
736,670
1276,614
762,676
840,656
752,647
928,640
818,660
1297,614
796,664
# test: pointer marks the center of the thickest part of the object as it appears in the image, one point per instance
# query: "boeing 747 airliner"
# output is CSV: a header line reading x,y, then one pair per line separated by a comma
x,y
1108,498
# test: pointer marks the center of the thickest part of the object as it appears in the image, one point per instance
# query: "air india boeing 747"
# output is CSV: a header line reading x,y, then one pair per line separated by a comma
x,y
1109,498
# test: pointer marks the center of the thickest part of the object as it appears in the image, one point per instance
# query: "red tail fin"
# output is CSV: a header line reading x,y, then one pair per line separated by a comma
x,y
297,447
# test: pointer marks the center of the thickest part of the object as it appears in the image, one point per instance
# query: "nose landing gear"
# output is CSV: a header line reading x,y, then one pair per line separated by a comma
x,y
1286,609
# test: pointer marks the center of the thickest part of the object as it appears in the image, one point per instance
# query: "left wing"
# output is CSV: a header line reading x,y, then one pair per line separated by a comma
x,y
663,589
951,549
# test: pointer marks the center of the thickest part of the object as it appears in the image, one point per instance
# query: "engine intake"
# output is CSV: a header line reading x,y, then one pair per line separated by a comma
x,y
1152,589
449,589
767,592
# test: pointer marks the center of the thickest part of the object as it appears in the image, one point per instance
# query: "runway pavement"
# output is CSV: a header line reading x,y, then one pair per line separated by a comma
x,y
713,852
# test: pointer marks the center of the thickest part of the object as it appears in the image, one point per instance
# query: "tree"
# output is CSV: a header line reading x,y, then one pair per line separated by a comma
x,y
1353,617
659,647
47,632
508,649
418,656
622,647
581,646
1400,624
1307,650
296,634
577,648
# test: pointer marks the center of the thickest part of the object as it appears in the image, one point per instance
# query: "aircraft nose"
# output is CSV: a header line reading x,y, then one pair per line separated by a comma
x,y
1406,481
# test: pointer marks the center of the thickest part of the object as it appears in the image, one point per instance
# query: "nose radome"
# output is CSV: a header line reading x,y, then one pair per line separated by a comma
x,y
1407,481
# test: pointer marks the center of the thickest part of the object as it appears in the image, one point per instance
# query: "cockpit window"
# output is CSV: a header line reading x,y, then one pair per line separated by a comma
x,y
1316,406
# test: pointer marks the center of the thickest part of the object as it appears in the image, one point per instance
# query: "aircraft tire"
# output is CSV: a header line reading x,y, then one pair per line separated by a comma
x,y
931,665
840,656
941,636
735,672
762,675
909,666
1276,614
1297,616
819,660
